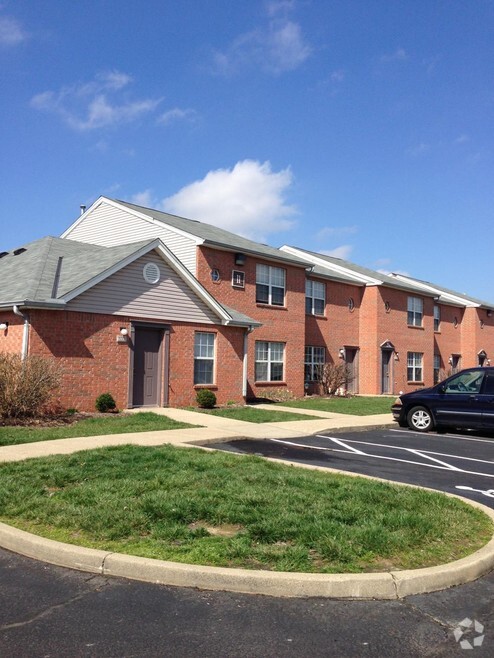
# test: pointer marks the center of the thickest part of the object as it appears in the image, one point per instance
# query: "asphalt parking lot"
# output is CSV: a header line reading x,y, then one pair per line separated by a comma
x,y
459,463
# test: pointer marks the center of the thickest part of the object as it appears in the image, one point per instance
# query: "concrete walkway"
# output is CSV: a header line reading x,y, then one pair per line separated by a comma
x,y
387,585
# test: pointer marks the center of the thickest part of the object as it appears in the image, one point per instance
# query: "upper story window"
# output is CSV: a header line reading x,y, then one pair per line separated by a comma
x,y
437,318
415,311
270,285
203,358
315,297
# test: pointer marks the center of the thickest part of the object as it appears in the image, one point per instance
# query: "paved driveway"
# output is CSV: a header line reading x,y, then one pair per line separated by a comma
x,y
457,463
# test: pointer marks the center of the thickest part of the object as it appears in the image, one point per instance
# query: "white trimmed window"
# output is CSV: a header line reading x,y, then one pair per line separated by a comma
x,y
414,366
270,285
269,361
415,311
204,358
315,297
437,318
437,368
314,360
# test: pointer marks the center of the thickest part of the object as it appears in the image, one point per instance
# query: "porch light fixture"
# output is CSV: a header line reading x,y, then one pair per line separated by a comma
x,y
239,259
450,360
124,331
4,326
342,352
397,356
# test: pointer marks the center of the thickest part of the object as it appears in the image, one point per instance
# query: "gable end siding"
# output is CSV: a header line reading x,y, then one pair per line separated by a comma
x,y
127,293
109,226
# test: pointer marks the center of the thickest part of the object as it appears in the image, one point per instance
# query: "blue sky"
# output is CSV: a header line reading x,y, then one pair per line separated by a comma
x,y
358,128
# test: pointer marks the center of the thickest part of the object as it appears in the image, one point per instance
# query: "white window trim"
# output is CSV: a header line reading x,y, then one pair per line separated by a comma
x,y
271,270
205,358
310,294
415,362
415,306
270,362
312,363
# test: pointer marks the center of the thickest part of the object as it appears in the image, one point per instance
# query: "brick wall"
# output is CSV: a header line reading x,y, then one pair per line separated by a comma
x,y
92,362
11,338
284,324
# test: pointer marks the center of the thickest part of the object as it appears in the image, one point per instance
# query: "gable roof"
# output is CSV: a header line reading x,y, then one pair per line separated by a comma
x,y
51,271
445,295
347,272
203,233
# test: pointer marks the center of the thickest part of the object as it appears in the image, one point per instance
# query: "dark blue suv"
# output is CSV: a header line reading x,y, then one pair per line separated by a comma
x,y
466,399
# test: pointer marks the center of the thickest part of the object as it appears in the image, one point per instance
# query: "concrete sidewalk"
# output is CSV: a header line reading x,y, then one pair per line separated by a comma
x,y
212,429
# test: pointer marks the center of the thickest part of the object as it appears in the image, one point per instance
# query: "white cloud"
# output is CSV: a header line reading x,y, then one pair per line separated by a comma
x,y
342,252
276,48
11,32
462,139
398,55
419,150
248,199
331,232
144,198
87,106
280,6
177,114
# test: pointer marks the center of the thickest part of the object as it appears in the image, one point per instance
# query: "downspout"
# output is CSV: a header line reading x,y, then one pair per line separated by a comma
x,y
249,330
25,333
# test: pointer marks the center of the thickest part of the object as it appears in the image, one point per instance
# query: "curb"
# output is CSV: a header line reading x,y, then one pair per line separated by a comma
x,y
381,586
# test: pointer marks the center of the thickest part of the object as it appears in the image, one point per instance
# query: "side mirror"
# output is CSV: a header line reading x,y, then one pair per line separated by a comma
x,y
442,389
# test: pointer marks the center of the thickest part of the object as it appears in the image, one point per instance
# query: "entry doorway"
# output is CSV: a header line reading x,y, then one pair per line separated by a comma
x,y
351,360
386,361
149,358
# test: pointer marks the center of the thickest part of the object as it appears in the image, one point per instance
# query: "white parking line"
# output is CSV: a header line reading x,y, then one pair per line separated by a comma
x,y
350,450
450,436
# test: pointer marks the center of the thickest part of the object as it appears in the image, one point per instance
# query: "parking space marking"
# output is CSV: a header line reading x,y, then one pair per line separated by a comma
x,y
452,436
489,492
350,450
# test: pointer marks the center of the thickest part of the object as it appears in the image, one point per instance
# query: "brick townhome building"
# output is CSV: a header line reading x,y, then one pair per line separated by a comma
x,y
152,307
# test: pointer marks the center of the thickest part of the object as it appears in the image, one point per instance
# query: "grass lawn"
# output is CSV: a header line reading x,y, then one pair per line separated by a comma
x,y
358,406
252,415
110,424
220,509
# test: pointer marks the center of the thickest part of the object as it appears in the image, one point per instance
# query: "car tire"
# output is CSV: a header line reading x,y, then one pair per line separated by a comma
x,y
420,419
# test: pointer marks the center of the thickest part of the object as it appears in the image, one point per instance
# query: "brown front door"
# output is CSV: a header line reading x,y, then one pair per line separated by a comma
x,y
147,361
386,371
351,362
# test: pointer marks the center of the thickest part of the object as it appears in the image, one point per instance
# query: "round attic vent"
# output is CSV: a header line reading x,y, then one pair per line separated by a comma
x,y
151,273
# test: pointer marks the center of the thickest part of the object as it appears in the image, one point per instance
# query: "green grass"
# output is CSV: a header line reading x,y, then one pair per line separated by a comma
x,y
95,426
252,415
220,509
358,406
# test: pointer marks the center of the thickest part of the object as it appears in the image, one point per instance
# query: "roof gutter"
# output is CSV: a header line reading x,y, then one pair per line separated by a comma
x,y
25,332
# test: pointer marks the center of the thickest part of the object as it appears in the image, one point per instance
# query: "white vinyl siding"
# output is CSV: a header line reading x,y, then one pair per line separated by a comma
x,y
269,361
127,293
109,226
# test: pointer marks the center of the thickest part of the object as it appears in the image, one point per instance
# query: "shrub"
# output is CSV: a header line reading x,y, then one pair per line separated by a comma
x,y
206,399
333,376
105,403
26,386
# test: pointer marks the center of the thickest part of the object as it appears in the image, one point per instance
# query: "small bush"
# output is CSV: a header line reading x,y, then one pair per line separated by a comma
x,y
26,387
206,399
105,403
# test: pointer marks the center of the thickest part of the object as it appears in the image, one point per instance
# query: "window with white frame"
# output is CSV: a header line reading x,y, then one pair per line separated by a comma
x,y
238,279
437,317
270,285
415,311
437,368
204,358
269,361
414,366
315,297
314,360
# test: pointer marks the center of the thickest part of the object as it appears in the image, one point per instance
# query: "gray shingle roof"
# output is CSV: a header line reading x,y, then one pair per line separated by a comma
x,y
34,276
358,270
215,236
455,293
31,275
